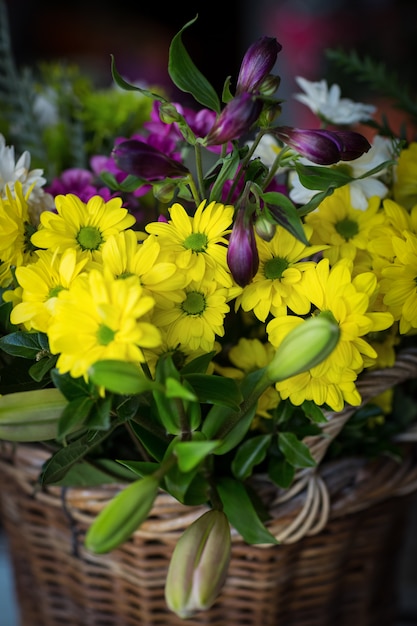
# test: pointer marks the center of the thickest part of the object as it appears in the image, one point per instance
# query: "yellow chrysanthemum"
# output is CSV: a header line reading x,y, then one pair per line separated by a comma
x,y
197,244
41,283
405,185
123,255
399,282
15,231
197,318
278,283
98,318
333,290
80,225
344,229
247,356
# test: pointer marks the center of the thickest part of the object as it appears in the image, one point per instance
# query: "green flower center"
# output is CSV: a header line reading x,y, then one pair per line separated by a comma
x,y
274,268
89,238
194,303
347,228
54,291
197,242
105,335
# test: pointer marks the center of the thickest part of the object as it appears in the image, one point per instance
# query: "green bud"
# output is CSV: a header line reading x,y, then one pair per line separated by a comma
x,y
199,565
164,191
304,347
264,228
122,516
33,415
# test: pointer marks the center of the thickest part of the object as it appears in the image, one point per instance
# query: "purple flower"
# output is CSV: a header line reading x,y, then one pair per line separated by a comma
x,y
324,147
143,160
236,119
79,182
242,253
257,63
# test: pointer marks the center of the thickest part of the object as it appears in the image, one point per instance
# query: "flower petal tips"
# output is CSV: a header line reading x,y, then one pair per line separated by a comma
x,y
235,120
257,64
199,565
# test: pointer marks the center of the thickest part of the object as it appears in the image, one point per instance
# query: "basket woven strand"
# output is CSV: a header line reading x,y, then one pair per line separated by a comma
x,y
340,525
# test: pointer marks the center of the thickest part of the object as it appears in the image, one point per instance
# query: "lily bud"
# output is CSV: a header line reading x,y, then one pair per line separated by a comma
x,y
354,145
265,228
324,147
237,118
143,160
307,345
242,253
257,64
122,516
199,565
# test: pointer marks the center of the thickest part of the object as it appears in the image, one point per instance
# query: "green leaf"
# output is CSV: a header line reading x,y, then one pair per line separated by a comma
x,y
74,414
140,468
40,368
191,453
228,169
281,472
123,84
94,474
295,451
241,512
187,77
120,377
23,344
320,177
215,389
71,387
249,454
313,412
174,389
58,465
199,365
285,214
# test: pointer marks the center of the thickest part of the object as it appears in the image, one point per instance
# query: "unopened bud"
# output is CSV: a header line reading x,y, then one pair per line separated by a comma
x,y
307,345
264,228
122,516
199,565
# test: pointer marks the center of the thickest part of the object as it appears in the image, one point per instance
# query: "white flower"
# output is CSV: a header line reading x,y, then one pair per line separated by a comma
x,y
12,171
328,104
361,189
267,149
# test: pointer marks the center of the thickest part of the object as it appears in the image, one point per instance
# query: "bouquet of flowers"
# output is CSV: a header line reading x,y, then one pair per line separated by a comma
x,y
187,292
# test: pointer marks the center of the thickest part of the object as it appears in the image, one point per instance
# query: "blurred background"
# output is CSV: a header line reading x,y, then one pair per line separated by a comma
x,y
138,34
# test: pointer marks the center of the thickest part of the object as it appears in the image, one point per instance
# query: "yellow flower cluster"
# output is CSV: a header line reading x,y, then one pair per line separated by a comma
x,y
101,289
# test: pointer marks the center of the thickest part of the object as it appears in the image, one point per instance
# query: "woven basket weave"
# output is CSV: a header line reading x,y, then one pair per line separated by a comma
x,y
340,527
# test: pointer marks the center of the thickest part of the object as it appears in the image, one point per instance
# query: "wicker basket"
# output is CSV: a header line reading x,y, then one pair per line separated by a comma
x,y
340,527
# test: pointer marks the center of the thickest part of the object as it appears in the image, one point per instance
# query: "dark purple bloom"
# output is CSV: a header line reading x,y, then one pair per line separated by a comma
x,y
257,63
324,147
143,160
354,145
237,118
242,253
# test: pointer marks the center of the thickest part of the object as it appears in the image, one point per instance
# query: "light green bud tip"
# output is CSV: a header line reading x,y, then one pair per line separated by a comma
x,y
199,565
304,347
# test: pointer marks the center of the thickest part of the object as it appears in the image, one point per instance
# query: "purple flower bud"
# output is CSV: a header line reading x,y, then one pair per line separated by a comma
x,y
242,253
354,144
143,160
257,64
324,147
236,119
320,146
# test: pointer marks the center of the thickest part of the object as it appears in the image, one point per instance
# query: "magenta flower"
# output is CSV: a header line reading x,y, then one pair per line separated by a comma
x,y
257,63
80,182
